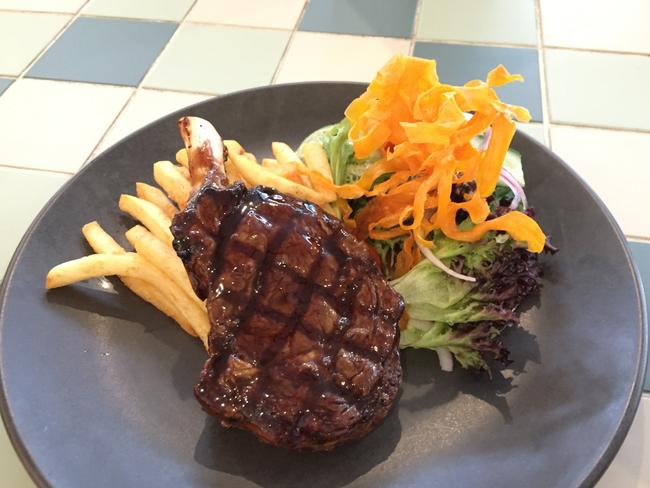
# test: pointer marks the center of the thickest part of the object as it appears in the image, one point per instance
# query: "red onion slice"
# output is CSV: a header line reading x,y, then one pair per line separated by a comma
x,y
517,190
486,140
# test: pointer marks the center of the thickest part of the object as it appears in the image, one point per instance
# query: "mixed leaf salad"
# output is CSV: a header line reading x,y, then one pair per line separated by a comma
x,y
424,172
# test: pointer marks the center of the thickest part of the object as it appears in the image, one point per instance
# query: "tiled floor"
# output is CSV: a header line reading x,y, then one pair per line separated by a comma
x,y
172,10
23,36
385,18
200,58
4,84
81,74
112,51
76,117
480,22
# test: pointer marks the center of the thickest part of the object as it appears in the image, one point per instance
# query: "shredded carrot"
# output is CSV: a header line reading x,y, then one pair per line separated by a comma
x,y
423,133
408,257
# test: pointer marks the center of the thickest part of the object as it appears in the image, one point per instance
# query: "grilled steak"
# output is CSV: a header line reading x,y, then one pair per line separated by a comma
x,y
303,349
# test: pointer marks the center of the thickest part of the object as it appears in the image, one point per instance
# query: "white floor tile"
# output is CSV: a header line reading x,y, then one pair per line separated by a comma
x,y
255,13
313,57
597,24
173,10
614,164
12,472
23,36
536,131
55,125
598,89
218,59
630,468
32,189
146,106
494,21
69,6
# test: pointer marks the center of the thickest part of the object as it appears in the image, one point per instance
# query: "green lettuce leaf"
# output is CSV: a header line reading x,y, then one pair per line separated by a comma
x,y
467,343
432,295
465,318
340,151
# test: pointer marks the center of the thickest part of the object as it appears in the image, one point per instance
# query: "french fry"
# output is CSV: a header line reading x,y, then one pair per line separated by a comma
x,y
269,162
162,257
133,266
103,243
316,159
301,175
172,181
151,216
181,157
284,154
257,175
185,173
322,187
100,240
233,147
94,266
157,197
231,171
286,170
290,171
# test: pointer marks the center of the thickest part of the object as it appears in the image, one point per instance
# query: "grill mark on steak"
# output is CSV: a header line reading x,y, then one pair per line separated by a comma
x,y
296,376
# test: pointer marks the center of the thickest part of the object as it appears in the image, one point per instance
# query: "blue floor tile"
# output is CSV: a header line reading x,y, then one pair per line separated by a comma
x,y
641,256
111,51
384,18
4,84
458,64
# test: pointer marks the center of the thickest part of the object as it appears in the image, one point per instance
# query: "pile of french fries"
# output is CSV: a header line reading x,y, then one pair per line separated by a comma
x,y
152,270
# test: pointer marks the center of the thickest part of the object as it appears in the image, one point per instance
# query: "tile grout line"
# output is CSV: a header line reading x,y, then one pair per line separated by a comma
x,y
278,67
598,51
363,36
639,239
414,30
40,170
543,79
47,46
179,91
598,127
134,19
92,83
243,26
93,152
477,43
12,11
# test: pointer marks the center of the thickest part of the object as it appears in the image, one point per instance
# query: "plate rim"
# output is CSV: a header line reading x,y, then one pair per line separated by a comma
x,y
632,401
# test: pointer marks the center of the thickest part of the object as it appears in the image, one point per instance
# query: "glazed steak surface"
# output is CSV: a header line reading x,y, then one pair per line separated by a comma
x,y
303,349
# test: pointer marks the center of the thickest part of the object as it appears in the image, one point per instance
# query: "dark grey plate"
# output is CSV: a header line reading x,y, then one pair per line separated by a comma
x,y
97,385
